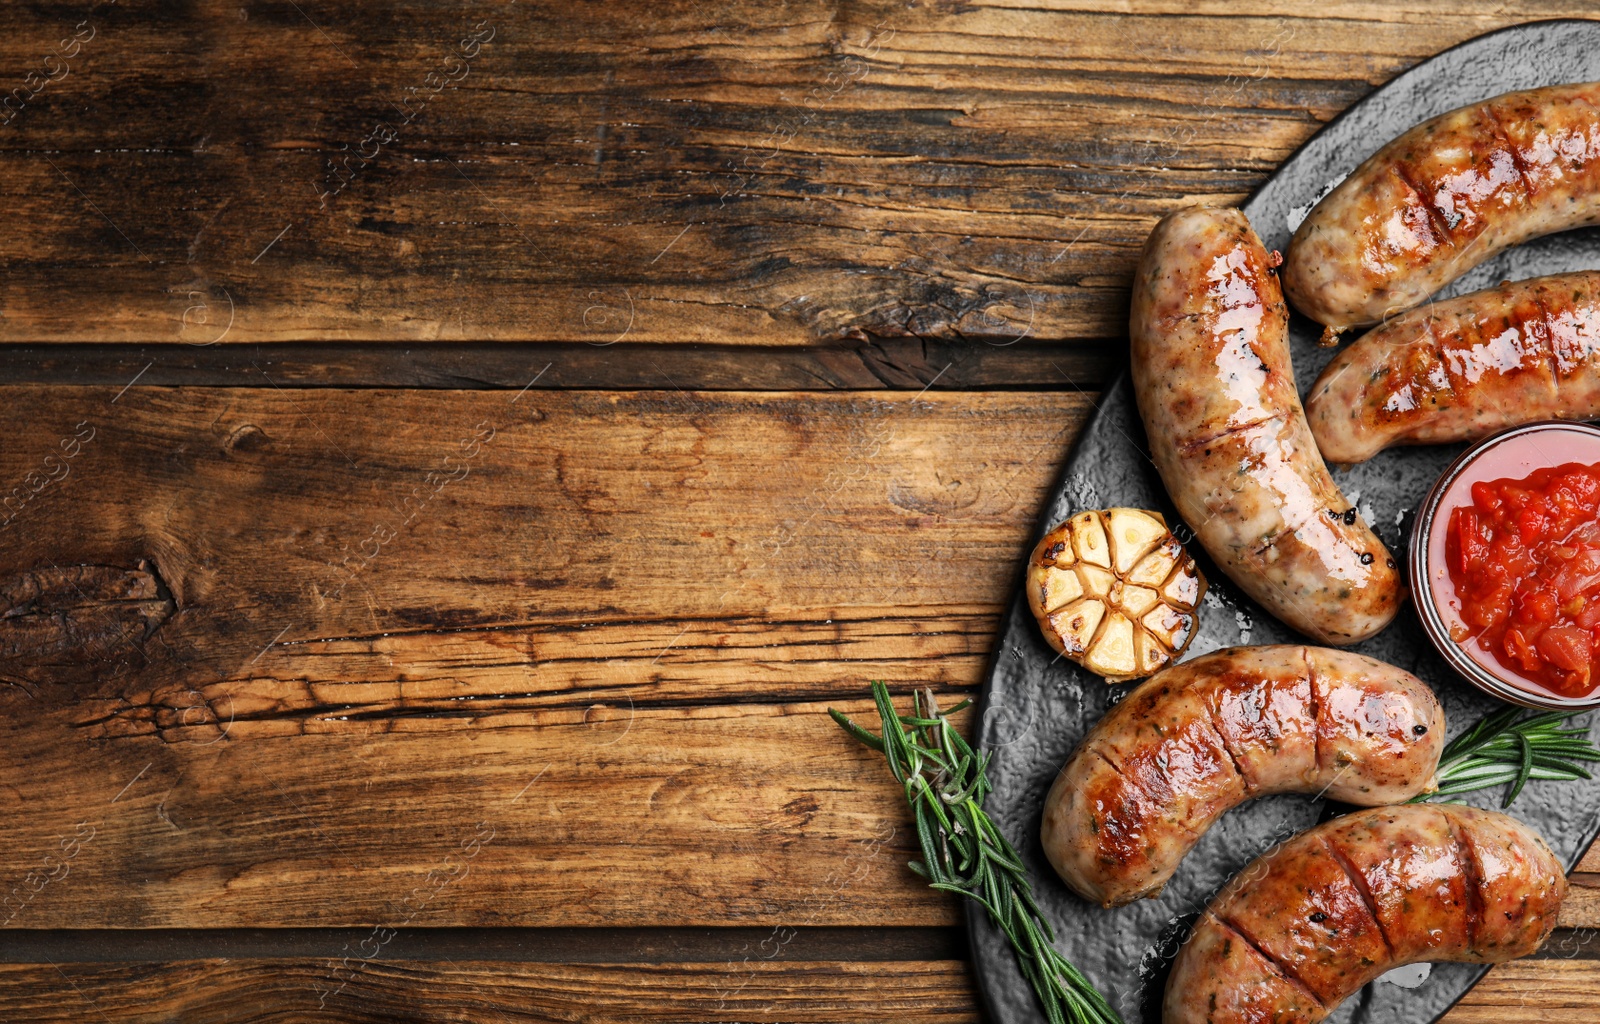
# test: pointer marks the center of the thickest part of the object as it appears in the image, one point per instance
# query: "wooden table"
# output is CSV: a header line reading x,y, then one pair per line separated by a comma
x,y
453,454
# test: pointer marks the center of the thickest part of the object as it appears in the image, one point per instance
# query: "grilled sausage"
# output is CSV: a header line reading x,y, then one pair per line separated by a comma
x,y
1444,197
1229,437
1309,923
1464,368
1205,735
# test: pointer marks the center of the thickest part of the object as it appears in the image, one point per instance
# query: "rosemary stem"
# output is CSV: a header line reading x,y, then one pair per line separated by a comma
x,y
964,852
1506,747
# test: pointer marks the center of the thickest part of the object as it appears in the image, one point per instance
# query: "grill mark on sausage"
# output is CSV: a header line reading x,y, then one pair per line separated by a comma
x,y
1211,715
1437,223
1359,880
1288,528
1101,754
1586,167
1435,345
1578,293
1187,448
1227,748
1173,321
1547,320
1157,798
1506,298
1222,741
1511,148
1119,842
1467,854
1316,710
1278,967
1102,834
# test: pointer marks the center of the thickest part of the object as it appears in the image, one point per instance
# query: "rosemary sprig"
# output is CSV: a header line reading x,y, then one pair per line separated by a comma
x,y
1505,747
963,852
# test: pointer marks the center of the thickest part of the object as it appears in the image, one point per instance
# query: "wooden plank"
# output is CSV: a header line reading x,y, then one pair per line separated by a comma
x,y
597,815
488,992
259,732
1551,991
608,630
254,731
493,992
910,364
271,518
1582,906
775,944
745,174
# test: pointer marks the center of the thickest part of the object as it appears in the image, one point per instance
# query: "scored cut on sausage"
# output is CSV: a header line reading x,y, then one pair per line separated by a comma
x,y
1215,388
1463,368
1442,198
1208,734
1311,921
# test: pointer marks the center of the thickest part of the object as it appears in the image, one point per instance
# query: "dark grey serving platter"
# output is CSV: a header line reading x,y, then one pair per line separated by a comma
x,y
1035,707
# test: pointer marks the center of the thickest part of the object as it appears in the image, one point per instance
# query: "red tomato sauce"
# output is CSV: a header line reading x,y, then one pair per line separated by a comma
x,y
1524,557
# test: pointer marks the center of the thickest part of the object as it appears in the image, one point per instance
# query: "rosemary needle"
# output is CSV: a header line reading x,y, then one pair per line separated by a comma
x,y
963,852
1506,747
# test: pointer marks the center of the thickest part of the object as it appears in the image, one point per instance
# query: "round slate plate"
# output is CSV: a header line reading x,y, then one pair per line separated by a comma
x,y
1036,707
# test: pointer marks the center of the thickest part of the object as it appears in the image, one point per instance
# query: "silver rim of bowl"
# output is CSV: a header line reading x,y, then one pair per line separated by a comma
x,y
1422,593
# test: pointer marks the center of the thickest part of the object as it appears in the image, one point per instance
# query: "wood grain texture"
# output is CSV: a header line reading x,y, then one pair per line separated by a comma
x,y
911,364
596,815
1581,909
736,173
1545,991
319,640
618,599
275,518
586,945
1533,991
489,992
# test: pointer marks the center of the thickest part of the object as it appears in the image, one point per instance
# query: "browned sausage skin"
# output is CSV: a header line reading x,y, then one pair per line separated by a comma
x,y
1444,197
1211,371
1464,368
1207,734
1310,922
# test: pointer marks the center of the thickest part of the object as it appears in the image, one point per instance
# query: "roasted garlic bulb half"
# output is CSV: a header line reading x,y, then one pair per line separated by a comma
x,y
1114,591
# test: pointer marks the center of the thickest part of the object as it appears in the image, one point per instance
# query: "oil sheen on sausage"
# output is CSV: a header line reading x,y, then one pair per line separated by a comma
x,y
1205,735
1444,197
1312,921
1211,370
1464,368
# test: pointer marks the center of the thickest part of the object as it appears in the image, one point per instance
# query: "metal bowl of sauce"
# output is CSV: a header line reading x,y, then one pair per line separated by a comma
x,y
1505,565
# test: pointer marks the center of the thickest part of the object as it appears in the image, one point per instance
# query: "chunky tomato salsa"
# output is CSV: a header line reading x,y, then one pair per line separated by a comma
x,y
1524,557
